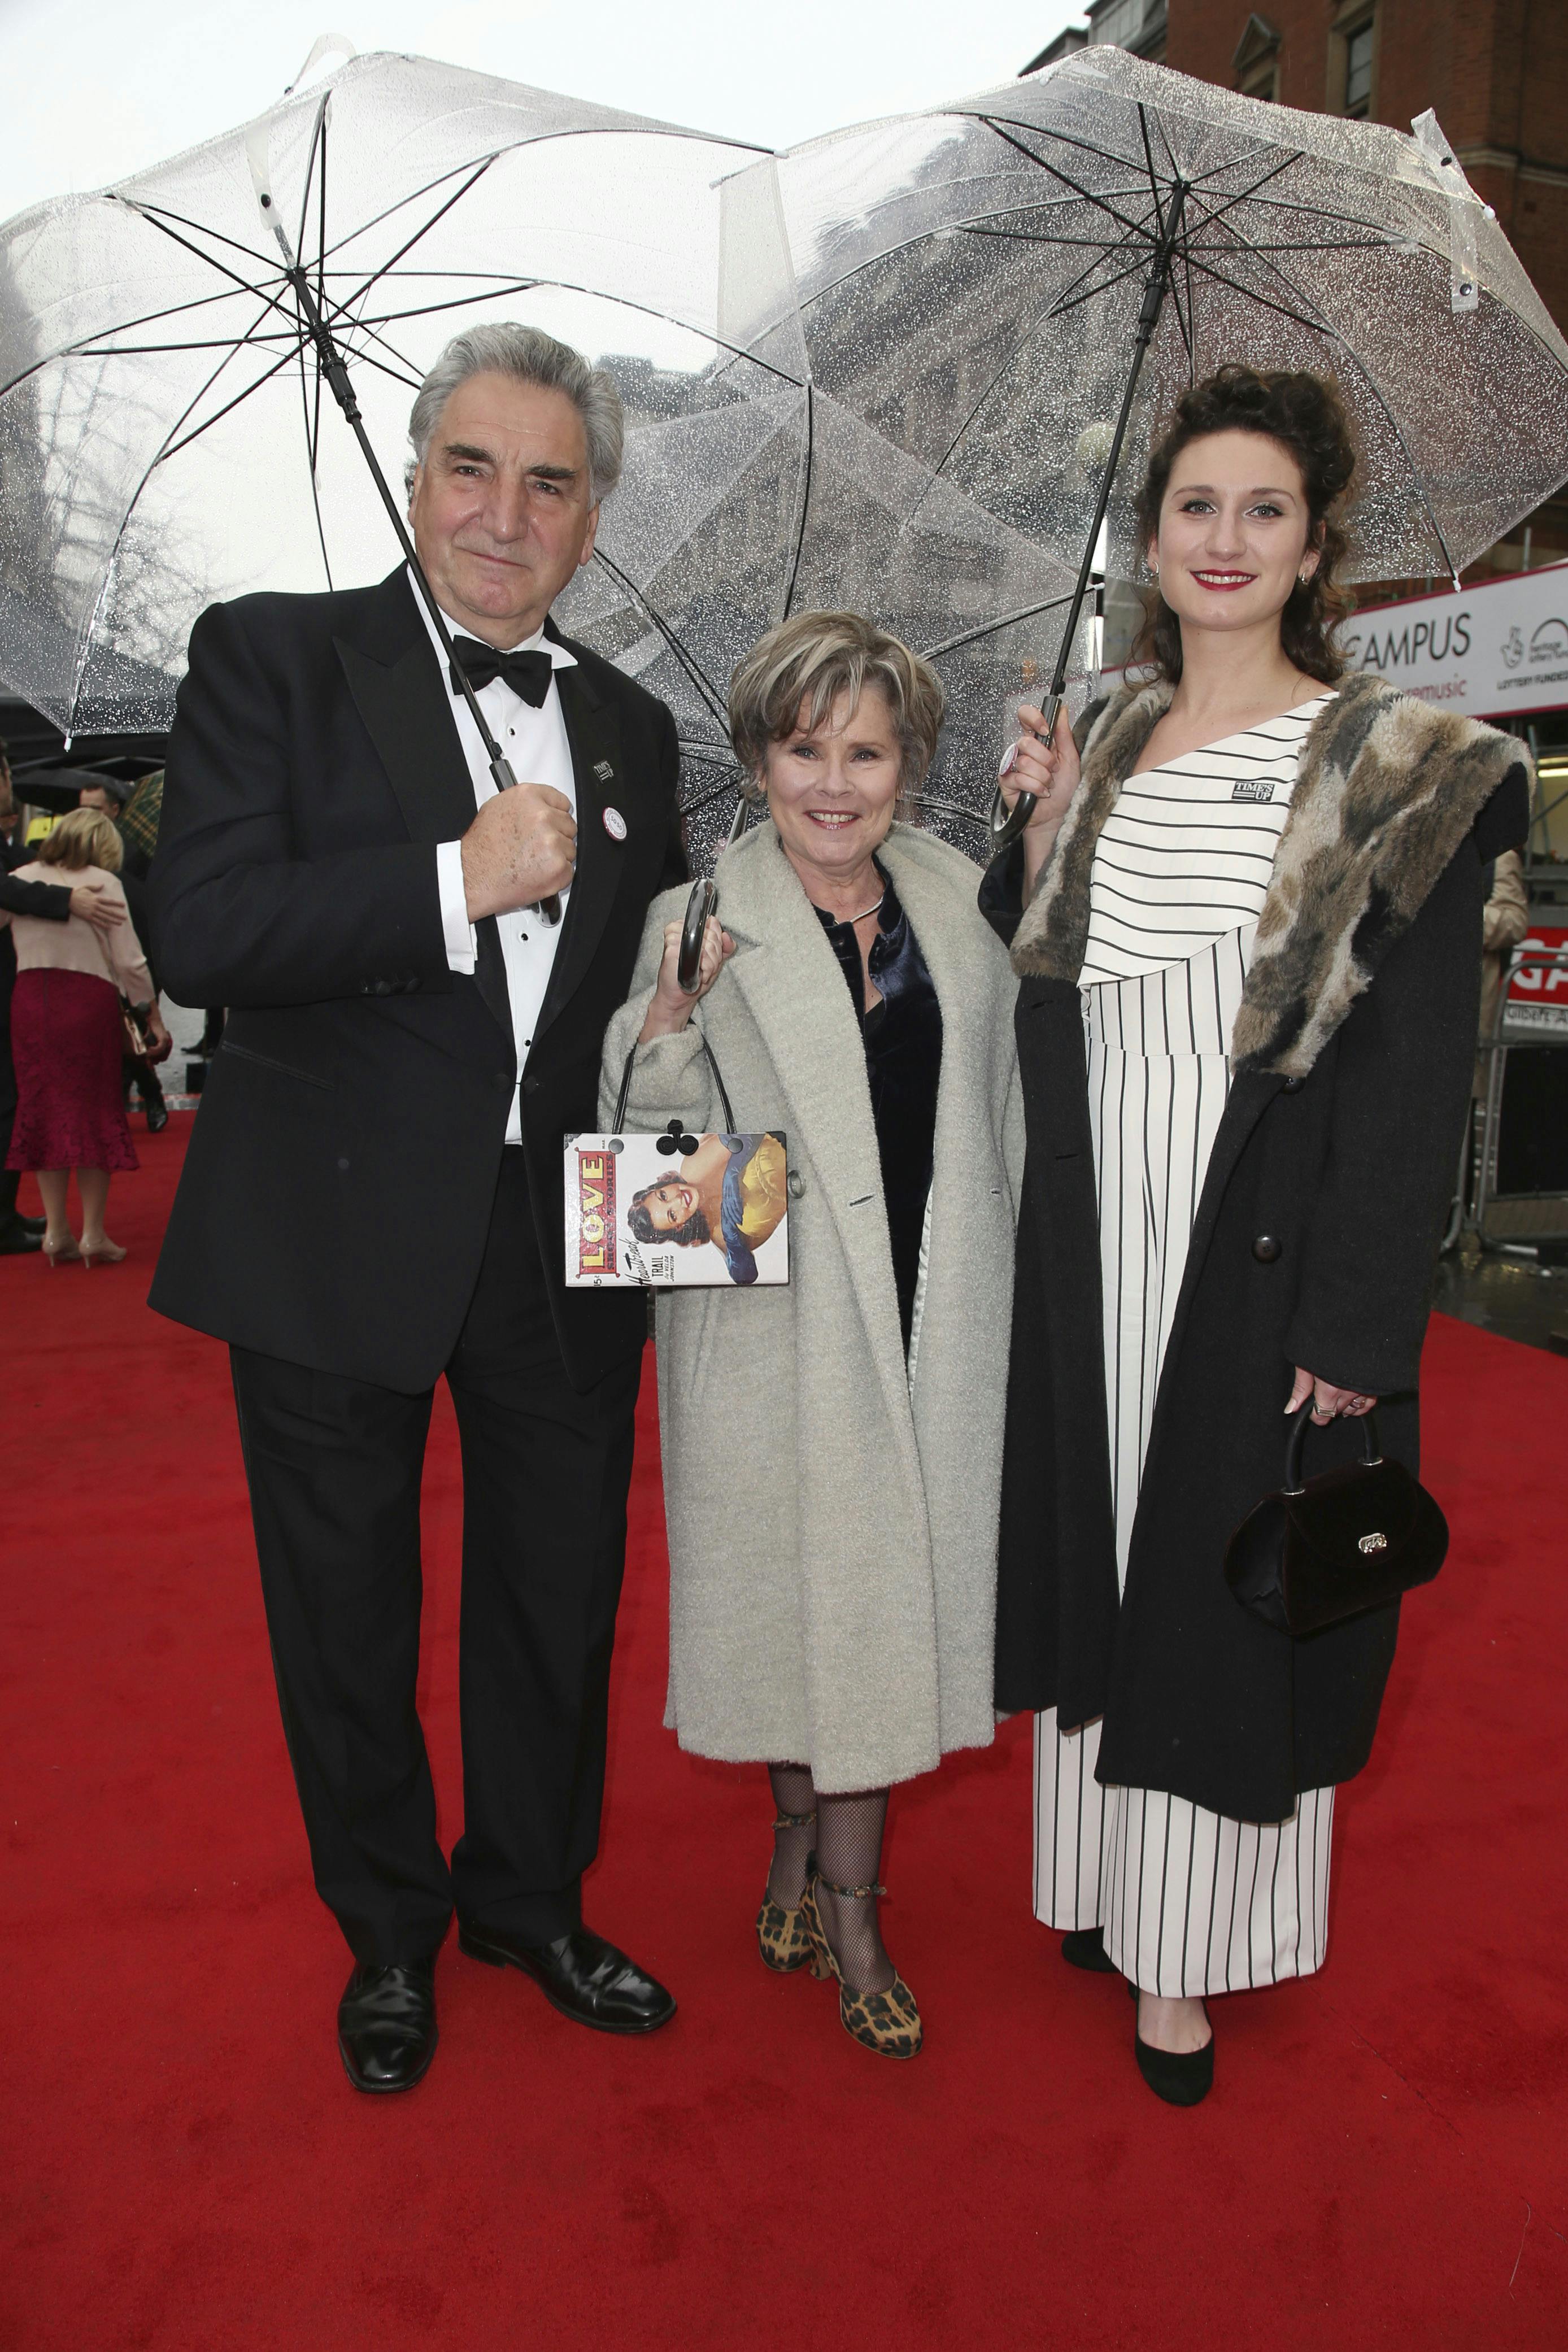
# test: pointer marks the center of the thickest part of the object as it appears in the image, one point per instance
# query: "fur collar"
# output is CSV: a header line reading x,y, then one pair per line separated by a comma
x,y
1387,791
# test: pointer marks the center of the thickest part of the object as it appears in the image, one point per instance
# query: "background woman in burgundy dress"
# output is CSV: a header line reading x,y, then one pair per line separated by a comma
x,y
68,1039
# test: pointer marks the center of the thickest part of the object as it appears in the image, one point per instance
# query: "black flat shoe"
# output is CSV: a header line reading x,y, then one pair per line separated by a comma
x,y
157,1117
386,2026
1180,2077
580,1975
1084,1947
17,1239
38,1225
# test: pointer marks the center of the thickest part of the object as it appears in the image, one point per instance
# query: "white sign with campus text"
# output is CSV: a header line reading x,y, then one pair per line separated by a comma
x,y
1490,651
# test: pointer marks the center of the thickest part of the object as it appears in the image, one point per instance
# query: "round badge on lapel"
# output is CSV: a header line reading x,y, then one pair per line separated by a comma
x,y
615,825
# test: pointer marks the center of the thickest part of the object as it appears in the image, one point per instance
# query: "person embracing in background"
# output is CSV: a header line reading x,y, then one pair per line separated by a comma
x,y
833,1448
1247,933
67,1032
372,1195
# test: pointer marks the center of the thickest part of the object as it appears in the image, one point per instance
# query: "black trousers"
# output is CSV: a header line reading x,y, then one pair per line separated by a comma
x,y
334,1469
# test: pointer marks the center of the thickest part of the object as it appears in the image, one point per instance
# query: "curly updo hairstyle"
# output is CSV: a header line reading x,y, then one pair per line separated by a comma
x,y
1306,416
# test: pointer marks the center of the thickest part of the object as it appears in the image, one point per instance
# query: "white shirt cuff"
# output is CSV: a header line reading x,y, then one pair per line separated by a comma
x,y
462,944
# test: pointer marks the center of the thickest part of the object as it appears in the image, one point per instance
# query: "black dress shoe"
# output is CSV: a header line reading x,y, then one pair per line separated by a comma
x,y
38,1225
580,1975
17,1238
1180,2077
157,1117
1084,1947
387,2025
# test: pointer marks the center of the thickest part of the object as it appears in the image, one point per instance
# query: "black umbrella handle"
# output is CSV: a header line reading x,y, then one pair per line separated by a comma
x,y
1006,824
336,370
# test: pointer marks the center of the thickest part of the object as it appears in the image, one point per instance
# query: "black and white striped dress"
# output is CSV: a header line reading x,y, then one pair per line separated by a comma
x,y
1190,1902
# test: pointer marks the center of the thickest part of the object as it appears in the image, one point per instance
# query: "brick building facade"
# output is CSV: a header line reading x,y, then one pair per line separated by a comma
x,y
1496,71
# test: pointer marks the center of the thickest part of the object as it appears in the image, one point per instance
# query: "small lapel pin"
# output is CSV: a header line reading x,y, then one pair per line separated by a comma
x,y
604,771
615,825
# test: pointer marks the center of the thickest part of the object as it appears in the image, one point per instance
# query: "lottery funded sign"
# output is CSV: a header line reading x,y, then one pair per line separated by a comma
x,y
1489,651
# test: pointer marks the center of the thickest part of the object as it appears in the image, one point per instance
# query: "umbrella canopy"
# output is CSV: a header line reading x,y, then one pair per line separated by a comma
x,y
163,438
968,283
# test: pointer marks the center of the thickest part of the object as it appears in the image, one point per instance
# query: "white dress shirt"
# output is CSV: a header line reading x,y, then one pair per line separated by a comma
x,y
535,743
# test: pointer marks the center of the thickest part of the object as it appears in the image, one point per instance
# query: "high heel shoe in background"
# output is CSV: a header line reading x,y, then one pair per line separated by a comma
x,y
888,2022
61,1253
782,1937
107,1253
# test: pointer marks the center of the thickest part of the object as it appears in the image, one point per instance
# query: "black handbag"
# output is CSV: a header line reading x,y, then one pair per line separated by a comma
x,y
1325,1549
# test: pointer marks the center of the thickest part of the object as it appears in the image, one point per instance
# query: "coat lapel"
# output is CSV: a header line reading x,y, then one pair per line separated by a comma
x,y
400,694
598,774
795,993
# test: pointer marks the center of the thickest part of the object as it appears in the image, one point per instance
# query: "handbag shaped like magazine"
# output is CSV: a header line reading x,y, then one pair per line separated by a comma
x,y
1325,1549
677,1210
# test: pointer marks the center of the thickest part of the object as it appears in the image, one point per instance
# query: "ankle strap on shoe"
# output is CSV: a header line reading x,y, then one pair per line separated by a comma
x,y
793,1820
848,1894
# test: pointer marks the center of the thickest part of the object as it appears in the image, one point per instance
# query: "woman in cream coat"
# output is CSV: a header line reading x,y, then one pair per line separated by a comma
x,y
832,1449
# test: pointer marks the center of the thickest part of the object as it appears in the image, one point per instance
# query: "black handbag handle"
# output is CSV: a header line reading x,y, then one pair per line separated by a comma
x,y
624,1096
1294,1482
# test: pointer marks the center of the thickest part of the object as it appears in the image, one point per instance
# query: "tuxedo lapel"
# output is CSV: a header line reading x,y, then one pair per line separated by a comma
x,y
399,690
598,773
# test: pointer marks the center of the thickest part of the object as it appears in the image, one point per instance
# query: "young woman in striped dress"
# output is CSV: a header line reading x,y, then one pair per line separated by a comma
x,y
1244,1030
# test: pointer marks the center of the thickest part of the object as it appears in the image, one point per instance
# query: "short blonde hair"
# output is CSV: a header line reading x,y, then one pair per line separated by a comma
x,y
815,657
84,837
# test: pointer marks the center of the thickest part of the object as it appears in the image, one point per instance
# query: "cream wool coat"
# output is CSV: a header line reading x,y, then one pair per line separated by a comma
x,y
833,1523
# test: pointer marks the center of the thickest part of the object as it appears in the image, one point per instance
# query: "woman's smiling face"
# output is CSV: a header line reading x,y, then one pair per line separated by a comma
x,y
832,789
670,1206
1234,527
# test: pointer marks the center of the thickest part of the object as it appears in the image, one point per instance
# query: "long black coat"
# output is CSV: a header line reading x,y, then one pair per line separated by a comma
x,y
337,1190
1314,1244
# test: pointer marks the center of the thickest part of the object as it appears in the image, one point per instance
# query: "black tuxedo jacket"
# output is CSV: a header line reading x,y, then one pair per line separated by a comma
x,y
337,1190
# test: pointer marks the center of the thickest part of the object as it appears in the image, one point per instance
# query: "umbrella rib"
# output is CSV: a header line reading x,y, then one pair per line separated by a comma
x,y
1045,164
1318,212
1005,122
1059,309
161,221
717,792
422,231
1213,211
989,628
689,664
703,138
129,509
160,215
173,449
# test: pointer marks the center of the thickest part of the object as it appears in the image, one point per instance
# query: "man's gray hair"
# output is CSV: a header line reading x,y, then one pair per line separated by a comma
x,y
531,356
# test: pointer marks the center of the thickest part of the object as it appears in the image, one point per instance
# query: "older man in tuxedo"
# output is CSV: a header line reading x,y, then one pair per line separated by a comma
x,y
373,1193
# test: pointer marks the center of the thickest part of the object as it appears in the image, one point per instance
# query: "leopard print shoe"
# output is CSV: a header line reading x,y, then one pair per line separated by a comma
x,y
888,2022
782,1937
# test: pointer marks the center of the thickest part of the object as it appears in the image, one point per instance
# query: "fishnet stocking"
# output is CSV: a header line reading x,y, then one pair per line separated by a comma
x,y
849,1851
793,1793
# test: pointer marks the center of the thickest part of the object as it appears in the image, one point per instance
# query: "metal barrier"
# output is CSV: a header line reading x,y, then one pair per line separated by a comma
x,y
1495,1220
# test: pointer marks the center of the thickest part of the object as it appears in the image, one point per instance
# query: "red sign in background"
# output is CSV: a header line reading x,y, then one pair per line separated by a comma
x,y
1538,996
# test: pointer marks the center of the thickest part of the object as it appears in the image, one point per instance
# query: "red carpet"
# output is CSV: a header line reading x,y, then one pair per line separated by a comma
x,y
1383,2162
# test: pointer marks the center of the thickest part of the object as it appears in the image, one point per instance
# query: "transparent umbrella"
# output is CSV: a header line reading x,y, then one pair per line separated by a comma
x,y
170,349
1011,290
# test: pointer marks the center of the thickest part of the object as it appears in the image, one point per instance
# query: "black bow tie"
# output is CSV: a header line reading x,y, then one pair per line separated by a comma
x,y
527,674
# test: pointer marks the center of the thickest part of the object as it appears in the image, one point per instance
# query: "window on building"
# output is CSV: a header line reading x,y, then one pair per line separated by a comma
x,y
1256,64
1358,70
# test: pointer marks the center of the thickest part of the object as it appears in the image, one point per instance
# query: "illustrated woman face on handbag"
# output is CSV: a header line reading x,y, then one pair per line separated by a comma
x,y
730,1192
